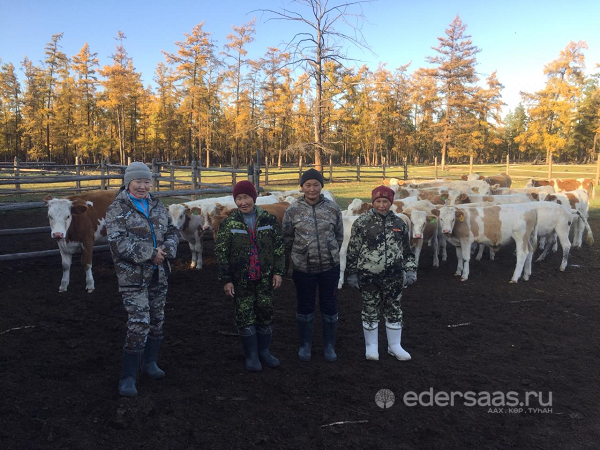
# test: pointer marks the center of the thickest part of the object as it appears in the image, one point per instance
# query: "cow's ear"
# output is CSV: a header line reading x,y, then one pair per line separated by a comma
x,y
559,202
78,209
432,218
194,211
460,215
535,196
47,198
435,212
550,198
464,198
464,177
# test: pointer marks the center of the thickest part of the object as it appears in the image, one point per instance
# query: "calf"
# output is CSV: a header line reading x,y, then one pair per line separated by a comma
x,y
77,222
578,201
189,223
566,184
424,229
494,226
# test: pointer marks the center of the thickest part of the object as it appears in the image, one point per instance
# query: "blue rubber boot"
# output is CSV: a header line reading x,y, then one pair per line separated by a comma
x,y
329,332
131,363
150,357
250,345
264,336
305,330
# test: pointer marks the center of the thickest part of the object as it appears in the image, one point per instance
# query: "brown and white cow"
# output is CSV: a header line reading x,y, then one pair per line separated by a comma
x,y
76,223
494,226
189,223
578,201
424,229
502,180
566,184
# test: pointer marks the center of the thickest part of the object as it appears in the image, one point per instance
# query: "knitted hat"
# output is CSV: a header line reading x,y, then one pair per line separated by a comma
x,y
245,187
382,192
312,174
136,171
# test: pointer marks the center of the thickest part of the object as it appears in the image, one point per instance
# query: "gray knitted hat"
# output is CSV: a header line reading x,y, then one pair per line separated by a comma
x,y
136,171
312,174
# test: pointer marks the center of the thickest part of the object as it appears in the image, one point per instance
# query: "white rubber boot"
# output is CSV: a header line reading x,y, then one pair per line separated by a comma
x,y
371,341
394,336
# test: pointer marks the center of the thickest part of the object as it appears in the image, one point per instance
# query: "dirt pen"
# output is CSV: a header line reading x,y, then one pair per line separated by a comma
x,y
61,353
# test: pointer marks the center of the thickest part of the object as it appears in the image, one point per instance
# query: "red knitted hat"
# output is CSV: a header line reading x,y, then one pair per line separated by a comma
x,y
382,192
245,187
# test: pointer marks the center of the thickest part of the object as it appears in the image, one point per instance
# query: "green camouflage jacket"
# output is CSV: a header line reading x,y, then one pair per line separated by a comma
x,y
379,245
130,239
232,247
313,234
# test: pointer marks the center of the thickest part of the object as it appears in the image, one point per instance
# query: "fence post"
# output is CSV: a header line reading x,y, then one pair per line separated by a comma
x,y
256,172
598,169
194,176
436,168
107,173
266,170
550,165
251,173
233,174
507,164
155,175
300,169
405,168
78,174
383,165
470,164
330,169
172,174
102,174
199,169
358,168
16,171
129,160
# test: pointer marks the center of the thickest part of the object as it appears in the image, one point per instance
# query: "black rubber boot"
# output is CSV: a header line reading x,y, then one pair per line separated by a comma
x,y
264,336
150,357
305,330
250,345
131,363
329,332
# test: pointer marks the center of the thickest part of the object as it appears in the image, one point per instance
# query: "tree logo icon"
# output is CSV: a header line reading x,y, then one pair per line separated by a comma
x,y
385,398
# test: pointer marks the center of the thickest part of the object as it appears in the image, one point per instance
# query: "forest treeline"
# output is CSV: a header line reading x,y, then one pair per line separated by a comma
x,y
213,104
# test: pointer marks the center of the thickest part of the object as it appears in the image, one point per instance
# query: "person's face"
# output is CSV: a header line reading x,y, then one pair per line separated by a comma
x,y
140,188
311,190
245,203
382,205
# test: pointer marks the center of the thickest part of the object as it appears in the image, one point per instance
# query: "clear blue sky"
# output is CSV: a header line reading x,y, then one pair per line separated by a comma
x,y
517,38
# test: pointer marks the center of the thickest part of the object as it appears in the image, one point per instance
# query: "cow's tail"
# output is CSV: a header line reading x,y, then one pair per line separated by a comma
x,y
533,239
589,236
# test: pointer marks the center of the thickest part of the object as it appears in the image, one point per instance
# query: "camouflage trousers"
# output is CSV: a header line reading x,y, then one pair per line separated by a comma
x,y
254,303
381,293
146,313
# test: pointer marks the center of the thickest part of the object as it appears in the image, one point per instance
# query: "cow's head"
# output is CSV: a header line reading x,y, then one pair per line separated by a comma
x,y
531,183
457,197
448,216
419,220
178,215
212,210
60,214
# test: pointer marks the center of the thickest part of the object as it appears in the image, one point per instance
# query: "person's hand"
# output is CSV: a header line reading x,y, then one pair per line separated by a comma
x,y
160,256
277,281
352,281
229,290
410,276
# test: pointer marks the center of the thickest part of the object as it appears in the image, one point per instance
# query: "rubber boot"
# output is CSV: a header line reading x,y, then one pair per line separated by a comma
x,y
329,332
305,330
264,336
250,345
131,363
150,357
371,332
394,337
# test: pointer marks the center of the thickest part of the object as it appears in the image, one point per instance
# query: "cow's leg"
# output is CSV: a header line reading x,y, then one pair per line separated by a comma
x,y
417,251
480,253
492,254
67,259
578,232
193,250
555,246
443,244
521,256
459,257
436,249
198,250
527,268
548,245
87,250
563,236
466,256
542,243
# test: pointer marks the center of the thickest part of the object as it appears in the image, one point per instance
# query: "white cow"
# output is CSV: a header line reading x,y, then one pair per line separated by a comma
x,y
189,223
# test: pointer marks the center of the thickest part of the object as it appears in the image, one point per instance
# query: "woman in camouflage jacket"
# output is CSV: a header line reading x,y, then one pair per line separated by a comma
x,y
313,232
250,254
142,239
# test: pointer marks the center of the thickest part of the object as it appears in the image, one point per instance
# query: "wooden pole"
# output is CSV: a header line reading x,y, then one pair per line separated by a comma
x,y
107,173
358,168
598,169
550,165
16,171
383,165
172,174
102,174
470,164
507,164
194,176
436,168
233,174
300,169
266,170
405,168
78,173
330,169
129,160
155,175
256,168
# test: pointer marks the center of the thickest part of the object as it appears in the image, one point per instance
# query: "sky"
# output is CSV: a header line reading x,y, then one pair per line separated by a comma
x,y
516,37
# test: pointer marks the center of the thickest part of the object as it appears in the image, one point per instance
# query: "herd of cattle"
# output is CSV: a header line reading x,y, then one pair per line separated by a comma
x,y
471,214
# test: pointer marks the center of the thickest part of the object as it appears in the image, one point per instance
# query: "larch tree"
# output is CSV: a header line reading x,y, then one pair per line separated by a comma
x,y
34,110
455,72
322,40
84,65
10,109
425,102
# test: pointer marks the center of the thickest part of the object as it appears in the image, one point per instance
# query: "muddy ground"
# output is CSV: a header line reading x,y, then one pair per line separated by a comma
x,y
60,357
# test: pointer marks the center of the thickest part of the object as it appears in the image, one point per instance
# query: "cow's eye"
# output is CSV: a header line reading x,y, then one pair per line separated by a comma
x,y
68,217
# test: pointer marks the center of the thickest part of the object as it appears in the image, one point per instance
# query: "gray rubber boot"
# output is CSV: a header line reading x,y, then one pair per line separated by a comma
x,y
329,332
250,345
264,336
150,357
131,363
305,330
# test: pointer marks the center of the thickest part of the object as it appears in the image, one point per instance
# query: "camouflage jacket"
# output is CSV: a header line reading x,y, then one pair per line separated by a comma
x,y
379,245
313,234
130,239
232,247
